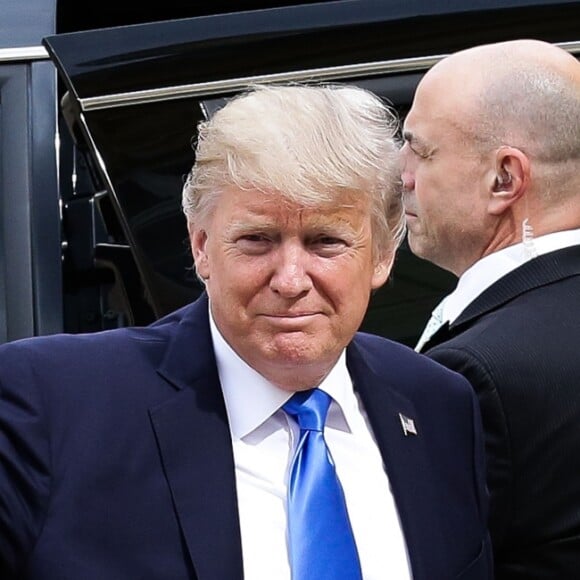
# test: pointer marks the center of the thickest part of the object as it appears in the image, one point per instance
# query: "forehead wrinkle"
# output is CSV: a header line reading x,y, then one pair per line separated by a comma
x,y
259,210
271,211
308,220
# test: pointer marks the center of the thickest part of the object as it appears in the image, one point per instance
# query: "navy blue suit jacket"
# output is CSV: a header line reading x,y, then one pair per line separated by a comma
x,y
116,460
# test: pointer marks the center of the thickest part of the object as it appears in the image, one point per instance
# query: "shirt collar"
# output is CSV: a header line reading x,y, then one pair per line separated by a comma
x,y
490,269
251,399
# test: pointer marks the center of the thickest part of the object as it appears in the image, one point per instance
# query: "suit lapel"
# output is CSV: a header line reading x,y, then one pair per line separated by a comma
x,y
194,443
440,335
545,269
406,461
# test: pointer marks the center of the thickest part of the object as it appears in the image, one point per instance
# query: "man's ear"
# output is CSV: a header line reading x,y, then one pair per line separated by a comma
x,y
509,179
198,241
382,271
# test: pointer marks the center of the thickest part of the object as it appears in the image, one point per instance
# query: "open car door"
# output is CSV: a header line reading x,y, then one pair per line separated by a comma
x,y
132,98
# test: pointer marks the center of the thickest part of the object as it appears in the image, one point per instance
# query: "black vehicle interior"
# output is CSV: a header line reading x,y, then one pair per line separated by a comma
x,y
140,232
135,266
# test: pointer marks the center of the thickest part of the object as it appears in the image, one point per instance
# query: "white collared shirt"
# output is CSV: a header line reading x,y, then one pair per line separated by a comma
x,y
263,443
491,268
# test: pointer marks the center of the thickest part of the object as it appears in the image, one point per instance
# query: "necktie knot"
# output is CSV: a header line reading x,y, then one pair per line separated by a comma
x,y
434,323
309,409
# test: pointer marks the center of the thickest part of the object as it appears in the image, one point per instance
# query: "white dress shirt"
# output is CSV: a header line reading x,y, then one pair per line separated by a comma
x,y
264,438
491,268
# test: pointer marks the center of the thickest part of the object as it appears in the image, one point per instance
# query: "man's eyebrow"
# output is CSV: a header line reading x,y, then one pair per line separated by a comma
x,y
417,143
413,139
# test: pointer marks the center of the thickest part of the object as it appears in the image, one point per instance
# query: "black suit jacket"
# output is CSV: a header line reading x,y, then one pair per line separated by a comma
x,y
116,460
518,344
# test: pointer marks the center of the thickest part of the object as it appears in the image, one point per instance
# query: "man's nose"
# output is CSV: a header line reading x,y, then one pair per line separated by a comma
x,y
407,180
291,277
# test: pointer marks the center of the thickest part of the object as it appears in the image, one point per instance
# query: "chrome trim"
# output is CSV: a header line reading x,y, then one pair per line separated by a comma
x,y
96,153
571,47
108,183
237,84
23,53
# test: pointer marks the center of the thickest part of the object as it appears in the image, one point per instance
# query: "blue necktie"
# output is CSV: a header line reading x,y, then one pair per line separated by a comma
x,y
322,545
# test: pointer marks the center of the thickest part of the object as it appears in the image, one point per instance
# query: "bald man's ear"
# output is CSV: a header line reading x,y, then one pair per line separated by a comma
x,y
509,179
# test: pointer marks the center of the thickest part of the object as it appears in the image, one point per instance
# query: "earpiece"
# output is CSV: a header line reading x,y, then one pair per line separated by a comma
x,y
502,183
503,179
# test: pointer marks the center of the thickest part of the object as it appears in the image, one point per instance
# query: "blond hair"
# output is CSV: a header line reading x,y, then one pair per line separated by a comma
x,y
311,144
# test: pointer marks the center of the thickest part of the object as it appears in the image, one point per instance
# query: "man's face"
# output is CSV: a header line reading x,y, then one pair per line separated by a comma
x,y
288,285
443,181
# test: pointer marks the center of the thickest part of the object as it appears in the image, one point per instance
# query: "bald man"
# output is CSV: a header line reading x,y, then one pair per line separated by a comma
x,y
491,177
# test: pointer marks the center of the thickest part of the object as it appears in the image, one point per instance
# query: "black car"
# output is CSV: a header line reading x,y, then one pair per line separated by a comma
x,y
92,231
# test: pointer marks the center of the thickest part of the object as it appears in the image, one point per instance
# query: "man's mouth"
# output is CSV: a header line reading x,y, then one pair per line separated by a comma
x,y
291,315
291,318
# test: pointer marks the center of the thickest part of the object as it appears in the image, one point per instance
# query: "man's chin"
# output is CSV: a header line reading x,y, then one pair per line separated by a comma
x,y
294,352
418,245
414,244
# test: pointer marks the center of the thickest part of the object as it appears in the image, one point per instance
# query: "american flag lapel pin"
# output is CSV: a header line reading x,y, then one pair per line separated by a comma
x,y
408,425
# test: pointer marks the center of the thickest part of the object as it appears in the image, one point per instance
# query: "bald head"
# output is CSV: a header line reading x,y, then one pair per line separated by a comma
x,y
525,93
506,56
